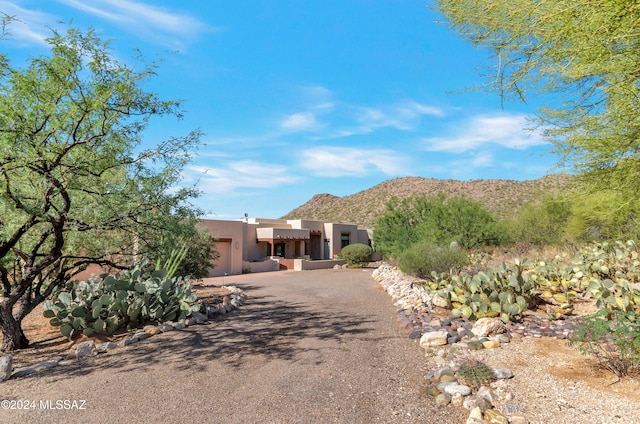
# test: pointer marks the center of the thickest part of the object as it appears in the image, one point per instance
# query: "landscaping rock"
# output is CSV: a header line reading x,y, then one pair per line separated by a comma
x,y
493,416
481,403
490,344
128,341
458,388
476,413
457,399
443,386
41,366
502,373
443,399
474,345
437,374
488,394
430,390
6,364
487,327
151,330
88,348
83,350
106,346
434,338
141,335
163,328
448,379
199,318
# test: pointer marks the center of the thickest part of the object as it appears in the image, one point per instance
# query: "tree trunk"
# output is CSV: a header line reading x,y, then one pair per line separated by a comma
x,y
13,337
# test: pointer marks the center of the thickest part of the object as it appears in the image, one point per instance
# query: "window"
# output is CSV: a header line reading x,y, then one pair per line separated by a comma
x,y
344,240
279,250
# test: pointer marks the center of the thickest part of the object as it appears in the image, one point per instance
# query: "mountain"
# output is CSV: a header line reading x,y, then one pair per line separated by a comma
x,y
503,198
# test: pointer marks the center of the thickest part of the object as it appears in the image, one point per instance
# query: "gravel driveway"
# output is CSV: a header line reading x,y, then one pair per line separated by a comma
x,y
307,347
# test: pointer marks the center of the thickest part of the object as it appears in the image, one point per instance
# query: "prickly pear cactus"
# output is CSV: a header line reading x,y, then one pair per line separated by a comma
x,y
109,303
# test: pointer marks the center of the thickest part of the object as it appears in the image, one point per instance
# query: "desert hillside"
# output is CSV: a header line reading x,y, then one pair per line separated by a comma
x,y
501,197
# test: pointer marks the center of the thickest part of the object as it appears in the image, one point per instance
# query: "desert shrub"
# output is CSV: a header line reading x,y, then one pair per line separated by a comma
x,y
541,224
437,221
612,338
108,303
423,258
475,373
356,254
605,215
197,259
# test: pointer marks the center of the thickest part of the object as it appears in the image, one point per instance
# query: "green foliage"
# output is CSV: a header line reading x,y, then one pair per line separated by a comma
x,y
110,303
173,261
602,271
585,54
356,254
77,187
502,291
612,270
199,248
435,220
397,228
541,224
475,373
612,338
603,215
423,258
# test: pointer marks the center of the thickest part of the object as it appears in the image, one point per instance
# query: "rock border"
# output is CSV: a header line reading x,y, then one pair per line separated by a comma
x,y
83,350
450,341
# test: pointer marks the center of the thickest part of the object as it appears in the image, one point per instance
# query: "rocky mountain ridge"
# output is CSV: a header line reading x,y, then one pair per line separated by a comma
x,y
501,197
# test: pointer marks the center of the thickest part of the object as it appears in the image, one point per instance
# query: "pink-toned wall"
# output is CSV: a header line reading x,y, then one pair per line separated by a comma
x,y
230,236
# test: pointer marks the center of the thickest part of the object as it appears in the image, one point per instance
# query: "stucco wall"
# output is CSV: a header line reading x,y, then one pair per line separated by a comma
x,y
303,265
230,232
262,266
335,231
242,238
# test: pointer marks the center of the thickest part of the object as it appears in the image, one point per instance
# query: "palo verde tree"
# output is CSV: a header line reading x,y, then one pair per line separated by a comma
x,y
76,187
585,55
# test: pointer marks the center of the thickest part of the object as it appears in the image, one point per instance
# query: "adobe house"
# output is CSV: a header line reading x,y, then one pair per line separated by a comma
x,y
259,245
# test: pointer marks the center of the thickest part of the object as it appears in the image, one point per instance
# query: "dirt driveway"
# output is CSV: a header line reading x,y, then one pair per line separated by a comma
x,y
307,347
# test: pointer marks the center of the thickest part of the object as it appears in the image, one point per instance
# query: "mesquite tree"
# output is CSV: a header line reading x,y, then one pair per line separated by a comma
x,y
76,187
584,55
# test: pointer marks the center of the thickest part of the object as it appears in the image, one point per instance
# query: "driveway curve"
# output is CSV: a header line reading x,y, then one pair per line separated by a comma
x,y
306,347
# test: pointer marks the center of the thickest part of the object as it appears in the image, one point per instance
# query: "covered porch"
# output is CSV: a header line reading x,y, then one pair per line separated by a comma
x,y
288,243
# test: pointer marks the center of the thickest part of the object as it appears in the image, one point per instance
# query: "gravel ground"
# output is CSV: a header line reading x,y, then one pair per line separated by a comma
x,y
557,385
307,347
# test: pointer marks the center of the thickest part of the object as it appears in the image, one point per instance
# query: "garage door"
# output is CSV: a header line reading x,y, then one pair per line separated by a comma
x,y
223,264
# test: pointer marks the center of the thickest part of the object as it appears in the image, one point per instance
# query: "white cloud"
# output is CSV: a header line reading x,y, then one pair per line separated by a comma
x,y
482,160
29,26
505,130
153,22
318,97
403,116
239,174
301,121
328,161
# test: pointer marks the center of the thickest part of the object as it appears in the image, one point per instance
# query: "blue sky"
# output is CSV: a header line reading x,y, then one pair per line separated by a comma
x,y
301,97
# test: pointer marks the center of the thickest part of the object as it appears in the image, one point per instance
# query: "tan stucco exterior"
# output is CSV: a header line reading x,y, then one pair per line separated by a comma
x,y
256,244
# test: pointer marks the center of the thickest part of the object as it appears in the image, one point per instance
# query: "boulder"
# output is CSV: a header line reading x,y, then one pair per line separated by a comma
x,y
83,350
434,338
6,366
487,327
